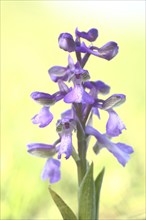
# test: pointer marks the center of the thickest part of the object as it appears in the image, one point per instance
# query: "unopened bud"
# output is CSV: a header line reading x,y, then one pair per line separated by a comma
x,y
66,42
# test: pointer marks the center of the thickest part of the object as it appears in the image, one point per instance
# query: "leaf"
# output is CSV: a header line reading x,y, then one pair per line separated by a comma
x,y
64,209
87,201
98,183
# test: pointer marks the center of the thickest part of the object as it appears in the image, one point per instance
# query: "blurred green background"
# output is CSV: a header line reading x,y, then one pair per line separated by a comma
x,y
29,47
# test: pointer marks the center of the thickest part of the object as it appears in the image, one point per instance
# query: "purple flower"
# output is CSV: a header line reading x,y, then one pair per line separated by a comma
x,y
119,150
91,35
66,42
52,167
114,124
107,51
43,118
51,170
85,100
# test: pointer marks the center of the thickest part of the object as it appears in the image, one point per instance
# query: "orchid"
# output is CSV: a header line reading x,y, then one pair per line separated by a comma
x,y
83,98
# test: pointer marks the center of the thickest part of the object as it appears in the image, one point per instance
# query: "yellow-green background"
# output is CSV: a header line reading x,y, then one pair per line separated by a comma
x,y
29,47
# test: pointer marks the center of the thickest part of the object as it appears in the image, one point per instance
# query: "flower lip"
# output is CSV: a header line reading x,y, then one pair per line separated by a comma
x,y
43,118
114,124
51,170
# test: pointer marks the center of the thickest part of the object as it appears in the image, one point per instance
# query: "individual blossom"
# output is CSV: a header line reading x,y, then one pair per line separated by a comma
x,y
91,35
107,51
114,124
51,169
66,42
44,117
119,150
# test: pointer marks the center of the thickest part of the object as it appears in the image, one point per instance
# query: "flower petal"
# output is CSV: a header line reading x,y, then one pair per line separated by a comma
x,y
114,124
43,98
78,95
41,150
51,170
113,101
43,118
58,72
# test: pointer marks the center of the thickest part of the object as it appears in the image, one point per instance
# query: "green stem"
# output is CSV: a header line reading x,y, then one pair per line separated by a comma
x,y
82,144
82,164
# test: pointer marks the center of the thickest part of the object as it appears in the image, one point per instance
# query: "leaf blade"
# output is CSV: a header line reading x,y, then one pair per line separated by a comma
x,y
87,202
98,184
64,209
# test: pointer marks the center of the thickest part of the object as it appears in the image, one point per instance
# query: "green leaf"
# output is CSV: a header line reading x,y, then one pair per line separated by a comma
x,y
98,183
64,209
87,201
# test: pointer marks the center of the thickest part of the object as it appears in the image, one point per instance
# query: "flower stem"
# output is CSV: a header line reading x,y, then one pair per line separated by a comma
x,y
82,144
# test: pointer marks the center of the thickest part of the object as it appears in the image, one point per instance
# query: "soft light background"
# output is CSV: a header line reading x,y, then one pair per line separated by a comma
x,y
29,32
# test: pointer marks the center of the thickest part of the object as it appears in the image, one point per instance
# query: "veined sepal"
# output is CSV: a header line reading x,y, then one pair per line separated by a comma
x,y
64,209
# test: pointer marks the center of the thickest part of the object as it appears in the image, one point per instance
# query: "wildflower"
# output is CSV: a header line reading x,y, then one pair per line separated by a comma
x,y
91,35
107,51
51,169
84,97
44,117
114,124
